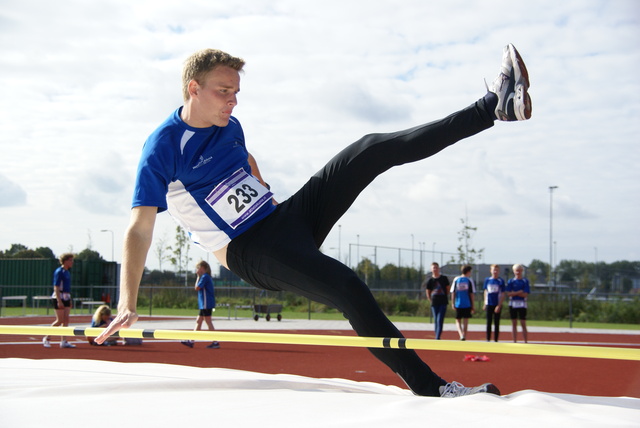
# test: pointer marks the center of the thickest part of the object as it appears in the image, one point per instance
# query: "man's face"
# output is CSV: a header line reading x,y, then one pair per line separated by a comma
x,y
435,270
215,97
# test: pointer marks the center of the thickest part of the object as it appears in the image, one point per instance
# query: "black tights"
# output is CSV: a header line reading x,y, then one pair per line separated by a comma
x,y
493,317
281,252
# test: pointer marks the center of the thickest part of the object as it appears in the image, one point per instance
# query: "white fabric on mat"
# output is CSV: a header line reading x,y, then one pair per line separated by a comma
x,y
74,393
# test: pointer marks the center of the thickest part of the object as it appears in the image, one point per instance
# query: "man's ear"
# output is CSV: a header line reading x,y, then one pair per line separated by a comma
x,y
193,87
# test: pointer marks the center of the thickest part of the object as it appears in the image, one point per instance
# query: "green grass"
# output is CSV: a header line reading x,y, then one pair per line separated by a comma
x,y
244,313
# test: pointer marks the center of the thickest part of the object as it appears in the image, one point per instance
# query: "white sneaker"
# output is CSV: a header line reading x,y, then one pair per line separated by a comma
x,y
46,343
512,86
65,344
456,389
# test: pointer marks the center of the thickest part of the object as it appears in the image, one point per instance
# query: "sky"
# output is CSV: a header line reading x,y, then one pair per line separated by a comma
x,y
82,85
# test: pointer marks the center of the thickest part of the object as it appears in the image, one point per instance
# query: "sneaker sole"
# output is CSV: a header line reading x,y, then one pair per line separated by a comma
x,y
522,102
521,73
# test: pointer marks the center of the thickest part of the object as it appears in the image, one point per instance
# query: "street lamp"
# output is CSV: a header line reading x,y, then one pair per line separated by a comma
x,y
110,231
551,188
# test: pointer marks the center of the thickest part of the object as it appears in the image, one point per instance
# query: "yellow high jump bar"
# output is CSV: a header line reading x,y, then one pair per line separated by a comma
x,y
332,340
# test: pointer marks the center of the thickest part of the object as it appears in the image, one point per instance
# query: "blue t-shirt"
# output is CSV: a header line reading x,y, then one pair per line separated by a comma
x,y
494,287
62,278
463,287
203,178
102,323
518,285
206,295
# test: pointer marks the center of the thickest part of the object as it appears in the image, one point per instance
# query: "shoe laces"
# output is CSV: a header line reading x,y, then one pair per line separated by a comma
x,y
498,83
454,389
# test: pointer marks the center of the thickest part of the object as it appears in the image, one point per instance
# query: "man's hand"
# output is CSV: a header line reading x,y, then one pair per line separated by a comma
x,y
137,240
125,319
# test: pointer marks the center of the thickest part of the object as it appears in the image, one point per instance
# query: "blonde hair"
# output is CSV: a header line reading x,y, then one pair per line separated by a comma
x,y
205,265
64,257
517,266
100,312
200,63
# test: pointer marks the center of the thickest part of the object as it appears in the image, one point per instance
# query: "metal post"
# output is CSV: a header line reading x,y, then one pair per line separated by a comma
x,y
551,281
112,254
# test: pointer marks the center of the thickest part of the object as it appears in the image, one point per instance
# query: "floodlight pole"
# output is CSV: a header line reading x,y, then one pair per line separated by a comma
x,y
112,254
551,279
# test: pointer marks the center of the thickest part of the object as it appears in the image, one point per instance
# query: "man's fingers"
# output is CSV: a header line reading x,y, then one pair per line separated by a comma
x,y
111,328
121,321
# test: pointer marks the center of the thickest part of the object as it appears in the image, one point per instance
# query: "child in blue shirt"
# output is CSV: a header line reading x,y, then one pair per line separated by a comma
x,y
518,289
494,289
462,300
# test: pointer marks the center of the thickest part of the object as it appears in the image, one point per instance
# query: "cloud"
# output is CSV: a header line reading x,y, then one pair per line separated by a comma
x,y
361,103
79,103
573,210
105,188
11,194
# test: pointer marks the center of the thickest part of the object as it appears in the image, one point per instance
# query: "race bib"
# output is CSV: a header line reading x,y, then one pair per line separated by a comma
x,y
238,197
518,303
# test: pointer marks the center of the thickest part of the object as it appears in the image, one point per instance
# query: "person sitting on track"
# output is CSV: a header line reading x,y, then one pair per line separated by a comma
x,y
101,319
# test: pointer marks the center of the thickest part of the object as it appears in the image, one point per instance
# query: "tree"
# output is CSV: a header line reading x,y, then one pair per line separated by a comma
x,y
160,249
27,254
89,255
537,271
15,249
180,258
466,253
367,269
389,272
19,251
46,252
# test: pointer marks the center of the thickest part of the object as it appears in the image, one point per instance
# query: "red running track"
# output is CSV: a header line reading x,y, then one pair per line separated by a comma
x,y
511,373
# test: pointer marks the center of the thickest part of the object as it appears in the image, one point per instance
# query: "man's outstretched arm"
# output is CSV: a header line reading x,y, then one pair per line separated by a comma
x,y
137,240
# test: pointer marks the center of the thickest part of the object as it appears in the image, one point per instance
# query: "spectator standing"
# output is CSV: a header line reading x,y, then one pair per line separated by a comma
x,y
206,301
61,298
494,291
462,300
518,290
437,292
